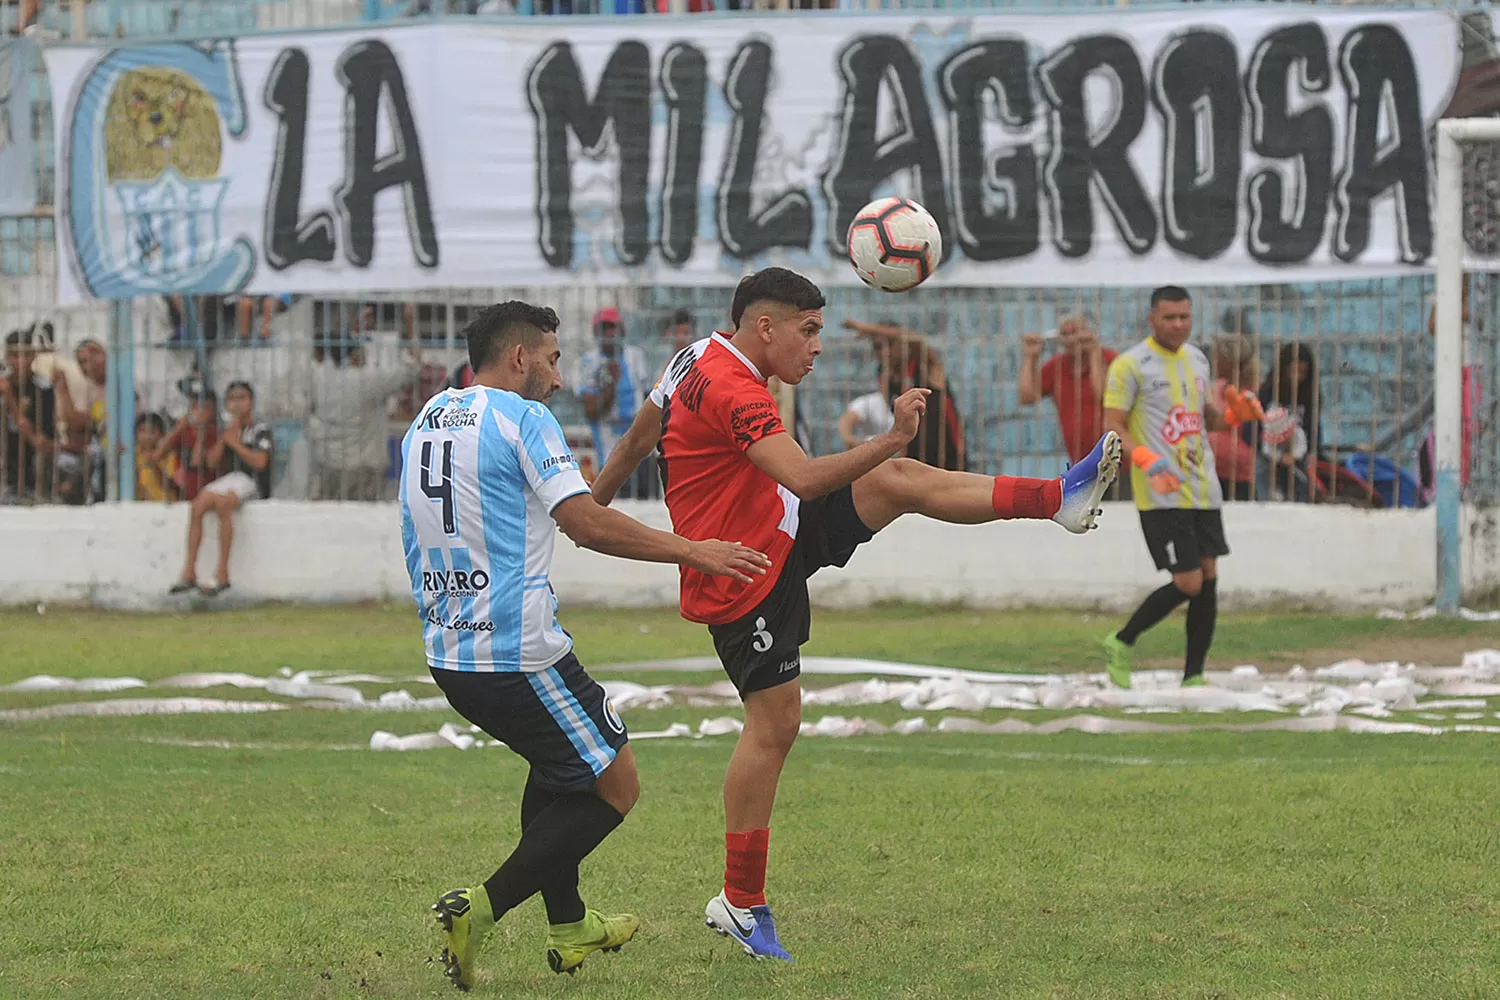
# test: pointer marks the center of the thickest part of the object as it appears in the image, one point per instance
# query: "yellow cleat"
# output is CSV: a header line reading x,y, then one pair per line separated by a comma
x,y
569,944
467,920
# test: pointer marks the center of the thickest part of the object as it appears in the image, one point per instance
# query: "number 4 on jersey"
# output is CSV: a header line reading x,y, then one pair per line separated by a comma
x,y
441,490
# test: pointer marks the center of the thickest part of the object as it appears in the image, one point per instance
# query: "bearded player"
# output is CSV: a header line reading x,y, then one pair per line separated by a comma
x,y
730,470
486,482
1156,399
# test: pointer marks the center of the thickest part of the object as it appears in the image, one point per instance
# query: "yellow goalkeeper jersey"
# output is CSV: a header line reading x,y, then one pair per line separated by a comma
x,y
1164,392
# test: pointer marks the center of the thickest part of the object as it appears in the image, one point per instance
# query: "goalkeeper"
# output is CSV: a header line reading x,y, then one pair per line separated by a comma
x,y
1155,398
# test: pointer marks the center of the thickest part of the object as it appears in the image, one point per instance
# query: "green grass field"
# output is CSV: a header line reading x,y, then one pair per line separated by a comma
x,y
296,864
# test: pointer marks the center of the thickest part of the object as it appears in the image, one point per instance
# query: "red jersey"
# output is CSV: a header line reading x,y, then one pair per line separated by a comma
x,y
715,405
192,479
1080,410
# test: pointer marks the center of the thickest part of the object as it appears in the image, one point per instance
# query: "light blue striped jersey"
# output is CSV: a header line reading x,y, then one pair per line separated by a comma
x,y
481,471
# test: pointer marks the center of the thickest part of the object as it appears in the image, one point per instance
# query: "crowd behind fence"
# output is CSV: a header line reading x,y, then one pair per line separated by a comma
x,y
1348,365
339,380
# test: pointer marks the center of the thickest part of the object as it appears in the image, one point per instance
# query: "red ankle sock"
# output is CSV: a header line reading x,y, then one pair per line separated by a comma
x,y
1031,498
745,867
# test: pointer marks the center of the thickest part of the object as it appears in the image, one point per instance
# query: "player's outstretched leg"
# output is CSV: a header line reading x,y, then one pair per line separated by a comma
x,y
772,719
562,833
904,486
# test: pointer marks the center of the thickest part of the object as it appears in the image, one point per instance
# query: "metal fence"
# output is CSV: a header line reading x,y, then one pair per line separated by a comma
x,y
326,370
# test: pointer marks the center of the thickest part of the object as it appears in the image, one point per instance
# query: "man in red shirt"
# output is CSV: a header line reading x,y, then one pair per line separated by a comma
x,y
730,470
1073,378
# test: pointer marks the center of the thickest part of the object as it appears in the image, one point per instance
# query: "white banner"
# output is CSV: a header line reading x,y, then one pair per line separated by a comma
x,y
1109,148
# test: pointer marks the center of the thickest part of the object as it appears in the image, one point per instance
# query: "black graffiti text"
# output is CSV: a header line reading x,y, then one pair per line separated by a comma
x,y
1334,126
373,85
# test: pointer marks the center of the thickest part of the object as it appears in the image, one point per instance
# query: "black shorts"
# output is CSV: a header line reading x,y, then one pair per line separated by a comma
x,y
1180,540
764,648
558,719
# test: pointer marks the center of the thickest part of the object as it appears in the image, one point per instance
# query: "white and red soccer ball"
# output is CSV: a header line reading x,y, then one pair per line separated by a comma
x,y
894,244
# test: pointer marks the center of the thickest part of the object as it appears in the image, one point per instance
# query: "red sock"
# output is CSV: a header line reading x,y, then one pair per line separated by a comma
x,y
745,867
1033,498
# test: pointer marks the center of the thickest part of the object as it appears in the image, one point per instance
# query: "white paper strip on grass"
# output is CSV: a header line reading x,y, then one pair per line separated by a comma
x,y
1353,686
1466,614
839,726
143,706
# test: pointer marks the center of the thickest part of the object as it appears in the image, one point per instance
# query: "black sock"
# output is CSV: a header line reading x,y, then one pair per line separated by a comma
x,y
564,905
1157,605
559,836
1203,612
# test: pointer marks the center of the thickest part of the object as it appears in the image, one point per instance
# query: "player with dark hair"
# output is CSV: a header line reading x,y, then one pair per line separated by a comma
x,y
1157,400
486,481
729,467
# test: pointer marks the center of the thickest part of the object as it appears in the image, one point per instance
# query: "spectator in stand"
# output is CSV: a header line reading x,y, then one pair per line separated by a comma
x,y
93,361
79,388
30,416
679,330
245,307
1073,378
349,429
462,376
907,361
25,16
1234,364
1290,436
867,416
74,397
155,478
243,453
192,440
1472,386
614,379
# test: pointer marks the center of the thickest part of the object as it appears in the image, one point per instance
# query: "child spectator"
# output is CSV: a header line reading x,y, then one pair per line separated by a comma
x,y
244,453
193,439
155,479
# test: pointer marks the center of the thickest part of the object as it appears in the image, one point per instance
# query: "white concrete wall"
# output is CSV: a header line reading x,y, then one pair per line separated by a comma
x,y
127,555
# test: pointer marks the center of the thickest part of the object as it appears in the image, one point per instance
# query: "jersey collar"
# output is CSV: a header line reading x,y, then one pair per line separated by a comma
x,y
723,340
1159,349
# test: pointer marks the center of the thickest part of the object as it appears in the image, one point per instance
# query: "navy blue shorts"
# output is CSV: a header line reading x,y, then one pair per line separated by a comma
x,y
558,719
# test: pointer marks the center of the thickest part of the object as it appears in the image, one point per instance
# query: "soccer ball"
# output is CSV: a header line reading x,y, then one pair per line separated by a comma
x,y
894,244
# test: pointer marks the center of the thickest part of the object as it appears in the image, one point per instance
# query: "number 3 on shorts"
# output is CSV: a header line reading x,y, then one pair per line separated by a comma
x,y
1171,553
763,640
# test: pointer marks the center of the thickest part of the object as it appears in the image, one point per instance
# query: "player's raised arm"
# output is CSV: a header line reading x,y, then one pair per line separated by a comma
x,y
629,453
615,534
780,457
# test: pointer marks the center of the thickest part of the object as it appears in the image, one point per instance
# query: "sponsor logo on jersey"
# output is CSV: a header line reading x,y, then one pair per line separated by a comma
x,y
460,624
442,418
455,583
1180,423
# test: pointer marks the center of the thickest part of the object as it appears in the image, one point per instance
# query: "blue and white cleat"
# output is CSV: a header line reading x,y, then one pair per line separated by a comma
x,y
754,929
1085,484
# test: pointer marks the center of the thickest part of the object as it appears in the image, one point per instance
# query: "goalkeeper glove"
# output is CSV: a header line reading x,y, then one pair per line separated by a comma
x,y
1163,474
1241,407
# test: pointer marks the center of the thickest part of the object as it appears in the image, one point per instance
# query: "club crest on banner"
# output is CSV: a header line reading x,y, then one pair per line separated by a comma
x,y
145,187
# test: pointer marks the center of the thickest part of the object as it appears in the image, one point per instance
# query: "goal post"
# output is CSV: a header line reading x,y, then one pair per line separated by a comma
x,y
1453,135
